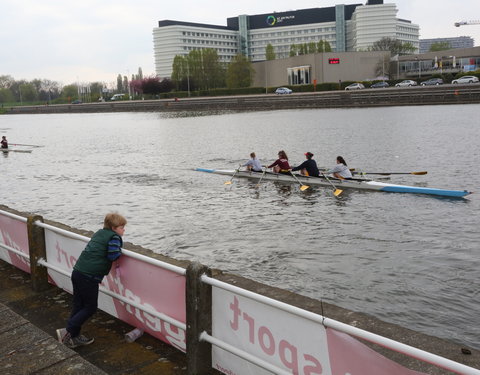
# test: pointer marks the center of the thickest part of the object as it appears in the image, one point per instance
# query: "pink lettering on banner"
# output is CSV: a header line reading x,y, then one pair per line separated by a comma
x,y
154,288
263,338
14,234
350,356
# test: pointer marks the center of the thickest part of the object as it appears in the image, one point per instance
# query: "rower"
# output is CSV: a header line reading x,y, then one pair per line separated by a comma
x,y
341,170
4,142
281,164
308,167
253,165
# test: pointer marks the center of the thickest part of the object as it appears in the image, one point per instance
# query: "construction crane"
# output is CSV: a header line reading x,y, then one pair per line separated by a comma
x,y
462,23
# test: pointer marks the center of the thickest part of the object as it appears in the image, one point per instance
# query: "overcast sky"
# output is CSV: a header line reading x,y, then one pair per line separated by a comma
x,y
86,41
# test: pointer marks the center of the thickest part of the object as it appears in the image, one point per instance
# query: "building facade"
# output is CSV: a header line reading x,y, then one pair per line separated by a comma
x,y
316,68
352,27
456,42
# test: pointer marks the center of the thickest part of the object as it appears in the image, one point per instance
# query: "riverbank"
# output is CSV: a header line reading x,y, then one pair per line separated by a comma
x,y
435,95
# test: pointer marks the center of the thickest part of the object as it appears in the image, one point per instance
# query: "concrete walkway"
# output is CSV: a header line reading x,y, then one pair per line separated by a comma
x,y
28,344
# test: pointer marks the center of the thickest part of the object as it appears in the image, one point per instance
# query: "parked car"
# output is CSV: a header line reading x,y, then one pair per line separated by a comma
x,y
380,85
77,101
432,81
466,79
355,86
406,83
283,90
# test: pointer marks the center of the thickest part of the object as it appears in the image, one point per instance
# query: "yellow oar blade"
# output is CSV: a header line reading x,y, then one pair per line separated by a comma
x,y
227,183
419,173
337,192
304,187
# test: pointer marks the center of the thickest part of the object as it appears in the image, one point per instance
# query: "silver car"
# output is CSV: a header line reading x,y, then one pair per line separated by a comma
x,y
466,79
406,83
355,86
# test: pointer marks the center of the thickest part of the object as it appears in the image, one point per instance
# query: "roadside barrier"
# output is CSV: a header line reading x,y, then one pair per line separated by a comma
x,y
217,324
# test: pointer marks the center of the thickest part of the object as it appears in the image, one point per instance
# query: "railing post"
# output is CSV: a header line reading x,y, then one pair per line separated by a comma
x,y
36,247
199,319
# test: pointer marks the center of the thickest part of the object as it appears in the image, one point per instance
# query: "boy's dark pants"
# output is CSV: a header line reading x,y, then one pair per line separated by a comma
x,y
85,301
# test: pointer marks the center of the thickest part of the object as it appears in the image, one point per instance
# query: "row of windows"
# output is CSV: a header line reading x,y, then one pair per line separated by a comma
x,y
207,35
293,32
293,40
224,50
193,41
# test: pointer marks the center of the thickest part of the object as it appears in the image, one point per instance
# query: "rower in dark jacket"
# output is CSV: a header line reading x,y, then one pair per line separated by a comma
x,y
308,167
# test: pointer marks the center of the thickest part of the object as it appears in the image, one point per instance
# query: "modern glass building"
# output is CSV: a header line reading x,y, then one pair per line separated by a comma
x,y
455,42
352,27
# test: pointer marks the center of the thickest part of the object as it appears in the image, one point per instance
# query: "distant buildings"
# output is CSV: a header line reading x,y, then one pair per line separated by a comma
x,y
345,27
457,42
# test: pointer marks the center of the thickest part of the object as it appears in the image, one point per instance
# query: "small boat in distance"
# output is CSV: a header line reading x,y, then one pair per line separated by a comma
x,y
14,150
355,183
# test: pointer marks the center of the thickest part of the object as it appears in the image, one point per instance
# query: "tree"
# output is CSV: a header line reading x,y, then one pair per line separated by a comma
x,y
6,81
199,69
6,96
239,72
293,50
312,47
395,46
166,85
439,46
119,83
69,92
327,46
151,85
269,52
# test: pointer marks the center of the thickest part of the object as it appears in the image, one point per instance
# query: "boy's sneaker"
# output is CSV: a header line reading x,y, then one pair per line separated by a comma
x,y
81,340
64,337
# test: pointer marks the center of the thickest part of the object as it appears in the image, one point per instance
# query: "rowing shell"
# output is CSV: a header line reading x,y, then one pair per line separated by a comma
x,y
13,150
362,184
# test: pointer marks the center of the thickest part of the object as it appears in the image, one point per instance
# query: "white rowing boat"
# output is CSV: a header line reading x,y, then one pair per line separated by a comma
x,y
14,150
362,184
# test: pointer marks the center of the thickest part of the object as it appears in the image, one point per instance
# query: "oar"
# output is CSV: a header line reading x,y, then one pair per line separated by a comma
x,y
20,144
337,191
261,178
302,187
234,173
389,173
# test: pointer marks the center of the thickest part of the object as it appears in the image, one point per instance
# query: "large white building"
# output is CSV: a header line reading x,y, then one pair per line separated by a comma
x,y
345,27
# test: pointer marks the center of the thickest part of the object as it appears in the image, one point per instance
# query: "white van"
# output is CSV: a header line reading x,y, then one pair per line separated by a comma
x,y
118,97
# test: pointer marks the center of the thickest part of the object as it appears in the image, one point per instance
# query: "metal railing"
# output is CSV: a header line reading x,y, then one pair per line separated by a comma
x,y
330,323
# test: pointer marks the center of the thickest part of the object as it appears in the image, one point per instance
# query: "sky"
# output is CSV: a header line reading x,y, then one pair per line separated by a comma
x,y
94,41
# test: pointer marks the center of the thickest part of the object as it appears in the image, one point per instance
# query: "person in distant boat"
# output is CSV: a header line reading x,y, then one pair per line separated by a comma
x,y
341,169
4,142
308,167
253,164
281,164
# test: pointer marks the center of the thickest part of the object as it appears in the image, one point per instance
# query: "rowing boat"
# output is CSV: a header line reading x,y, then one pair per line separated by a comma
x,y
362,184
13,150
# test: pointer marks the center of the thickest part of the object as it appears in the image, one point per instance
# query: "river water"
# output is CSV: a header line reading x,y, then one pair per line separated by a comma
x,y
404,258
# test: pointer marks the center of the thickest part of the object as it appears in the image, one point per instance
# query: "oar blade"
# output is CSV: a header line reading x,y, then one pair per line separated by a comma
x,y
227,183
337,192
419,173
304,187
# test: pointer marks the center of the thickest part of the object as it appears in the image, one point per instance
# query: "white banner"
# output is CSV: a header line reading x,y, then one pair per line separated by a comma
x,y
295,344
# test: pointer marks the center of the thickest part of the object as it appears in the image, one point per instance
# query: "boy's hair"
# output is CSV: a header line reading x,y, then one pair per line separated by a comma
x,y
113,220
